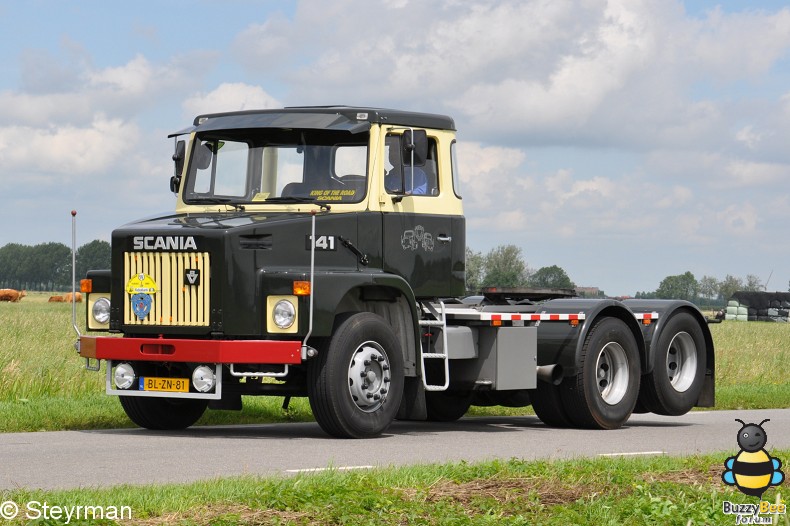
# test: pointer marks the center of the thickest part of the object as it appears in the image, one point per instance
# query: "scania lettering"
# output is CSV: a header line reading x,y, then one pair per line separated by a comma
x,y
319,252
164,243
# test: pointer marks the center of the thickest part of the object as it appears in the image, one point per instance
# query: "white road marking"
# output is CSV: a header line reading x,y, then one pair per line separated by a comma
x,y
634,453
318,470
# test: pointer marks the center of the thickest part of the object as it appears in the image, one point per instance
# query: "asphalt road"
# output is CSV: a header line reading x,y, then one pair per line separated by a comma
x,y
74,459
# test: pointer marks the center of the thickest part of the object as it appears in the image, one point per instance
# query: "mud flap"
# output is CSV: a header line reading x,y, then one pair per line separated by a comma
x,y
412,406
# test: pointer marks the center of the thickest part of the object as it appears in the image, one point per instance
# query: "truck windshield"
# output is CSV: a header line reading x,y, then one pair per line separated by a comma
x,y
277,166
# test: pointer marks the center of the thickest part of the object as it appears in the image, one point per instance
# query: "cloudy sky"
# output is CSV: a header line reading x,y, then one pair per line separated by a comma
x,y
623,140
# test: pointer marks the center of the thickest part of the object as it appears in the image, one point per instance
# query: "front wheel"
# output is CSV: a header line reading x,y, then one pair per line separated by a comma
x,y
355,384
604,391
163,413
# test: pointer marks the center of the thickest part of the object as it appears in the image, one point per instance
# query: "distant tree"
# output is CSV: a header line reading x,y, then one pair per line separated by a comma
x,y
49,266
95,255
645,295
709,288
475,268
729,286
552,277
12,260
681,287
505,267
753,284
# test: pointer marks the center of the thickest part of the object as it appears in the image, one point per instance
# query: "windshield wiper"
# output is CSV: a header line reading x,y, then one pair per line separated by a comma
x,y
217,201
296,199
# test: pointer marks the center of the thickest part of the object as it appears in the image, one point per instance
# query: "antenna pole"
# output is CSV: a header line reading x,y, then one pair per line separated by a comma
x,y
74,272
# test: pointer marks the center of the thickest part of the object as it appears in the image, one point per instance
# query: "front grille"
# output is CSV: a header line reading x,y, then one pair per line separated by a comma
x,y
176,302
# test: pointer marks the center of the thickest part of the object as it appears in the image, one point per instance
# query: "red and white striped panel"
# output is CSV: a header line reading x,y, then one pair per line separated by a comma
x,y
533,317
642,316
469,314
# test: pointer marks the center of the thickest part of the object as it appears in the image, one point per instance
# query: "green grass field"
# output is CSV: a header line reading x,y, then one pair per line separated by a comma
x,y
44,385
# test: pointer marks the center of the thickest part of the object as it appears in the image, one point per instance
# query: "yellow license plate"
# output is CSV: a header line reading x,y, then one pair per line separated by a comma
x,y
176,385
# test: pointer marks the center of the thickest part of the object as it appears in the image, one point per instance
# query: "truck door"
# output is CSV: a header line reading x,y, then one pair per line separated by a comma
x,y
421,241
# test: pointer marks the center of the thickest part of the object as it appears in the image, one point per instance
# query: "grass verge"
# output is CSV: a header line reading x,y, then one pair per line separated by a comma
x,y
654,490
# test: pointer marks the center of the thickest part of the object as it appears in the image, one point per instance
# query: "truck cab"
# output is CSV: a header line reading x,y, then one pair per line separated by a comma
x,y
285,222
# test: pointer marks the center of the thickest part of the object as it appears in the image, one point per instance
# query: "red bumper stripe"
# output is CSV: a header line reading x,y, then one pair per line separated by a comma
x,y
204,351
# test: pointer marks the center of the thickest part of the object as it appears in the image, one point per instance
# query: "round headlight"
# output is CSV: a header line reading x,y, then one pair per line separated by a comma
x,y
203,378
284,314
124,376
101,310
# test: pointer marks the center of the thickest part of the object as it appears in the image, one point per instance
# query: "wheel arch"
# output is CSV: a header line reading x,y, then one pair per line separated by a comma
x,y
562,344
626,316
386,295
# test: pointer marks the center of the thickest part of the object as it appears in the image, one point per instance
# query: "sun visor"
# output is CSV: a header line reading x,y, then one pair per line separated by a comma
x,y
182,132
310,121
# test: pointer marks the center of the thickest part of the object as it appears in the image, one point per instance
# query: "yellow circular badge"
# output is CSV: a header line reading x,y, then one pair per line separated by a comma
x,y
141,284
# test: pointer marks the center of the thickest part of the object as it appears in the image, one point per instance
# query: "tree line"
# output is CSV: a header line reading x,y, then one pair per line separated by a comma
x,y
47,266
504,266
707,291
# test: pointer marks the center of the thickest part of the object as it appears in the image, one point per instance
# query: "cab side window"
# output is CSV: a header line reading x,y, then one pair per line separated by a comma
x,y
400,178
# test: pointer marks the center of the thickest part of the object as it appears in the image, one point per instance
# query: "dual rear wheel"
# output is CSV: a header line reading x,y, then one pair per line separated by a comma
x,y
608,384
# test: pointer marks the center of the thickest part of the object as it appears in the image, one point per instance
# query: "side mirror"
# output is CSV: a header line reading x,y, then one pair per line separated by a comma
x,y
414,142
178,159
175,183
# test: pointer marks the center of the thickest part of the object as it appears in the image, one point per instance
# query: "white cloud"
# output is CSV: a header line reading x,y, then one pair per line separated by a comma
x,y
562,187
749,137
68,151
677,197
489,172
753,174
739,219
229,97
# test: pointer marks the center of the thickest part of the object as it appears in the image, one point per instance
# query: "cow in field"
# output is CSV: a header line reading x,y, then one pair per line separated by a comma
x,y
56,299
77,297
12,295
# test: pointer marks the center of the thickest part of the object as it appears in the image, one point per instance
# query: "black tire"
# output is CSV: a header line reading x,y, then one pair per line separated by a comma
x,y
163,413
678,368
604,392
547,403
363,343
447,406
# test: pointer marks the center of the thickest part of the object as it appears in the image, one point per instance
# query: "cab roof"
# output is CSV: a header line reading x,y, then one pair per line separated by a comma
x,y
352,119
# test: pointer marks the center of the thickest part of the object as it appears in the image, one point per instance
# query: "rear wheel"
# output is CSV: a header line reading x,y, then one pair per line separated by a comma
x,y
355,384
163,413
604,392
547,403
675,382
447,406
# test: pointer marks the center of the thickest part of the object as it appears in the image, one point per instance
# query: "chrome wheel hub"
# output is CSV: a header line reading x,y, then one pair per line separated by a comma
x,y
611,370
369,376
681,362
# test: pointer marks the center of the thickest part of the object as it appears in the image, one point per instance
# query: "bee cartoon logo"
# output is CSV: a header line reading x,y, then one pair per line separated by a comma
x,y
752,470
